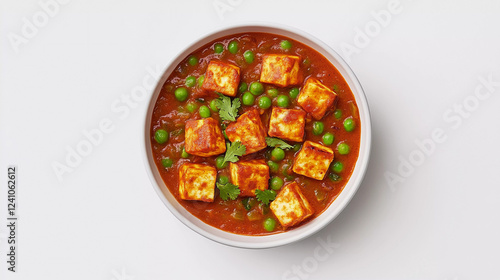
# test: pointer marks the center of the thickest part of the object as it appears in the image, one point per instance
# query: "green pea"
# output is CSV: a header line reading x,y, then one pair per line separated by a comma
x,y
243,87
286,45
283,101
272,92
193,60
328,138
218,48
256,88
296,147
338,114
337,167
213,106
269,224
191,107
190,81
233,47
248,99
161,136
343,148
277,154
318,127
219,162
167,162
349,124
223,180
276,183
200,80
181,94
265,102
249,56
204,111
294,92
184,154
273,166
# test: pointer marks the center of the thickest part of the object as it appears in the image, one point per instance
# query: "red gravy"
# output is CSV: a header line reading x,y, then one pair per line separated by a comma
x,y
171,115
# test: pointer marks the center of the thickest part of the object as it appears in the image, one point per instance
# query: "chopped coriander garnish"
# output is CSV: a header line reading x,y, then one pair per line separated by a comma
x,y
265,196
177,132
233,151
334,177
227,111
228,191
276,142
248,203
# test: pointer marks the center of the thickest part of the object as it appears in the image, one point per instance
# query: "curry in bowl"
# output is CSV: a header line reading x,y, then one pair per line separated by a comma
x,y
255,133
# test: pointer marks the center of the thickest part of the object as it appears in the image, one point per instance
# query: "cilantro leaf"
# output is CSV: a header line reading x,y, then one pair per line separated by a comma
x,y
233,151
334,177
228,191
265,196
227,111
276,142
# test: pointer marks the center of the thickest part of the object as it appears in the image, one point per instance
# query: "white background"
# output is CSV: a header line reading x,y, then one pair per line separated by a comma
x,y
103,220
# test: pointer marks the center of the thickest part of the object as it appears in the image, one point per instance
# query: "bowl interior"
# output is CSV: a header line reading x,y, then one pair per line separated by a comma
x,y
307,229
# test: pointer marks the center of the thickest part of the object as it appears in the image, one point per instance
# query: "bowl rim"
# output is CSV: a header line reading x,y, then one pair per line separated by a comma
x,y
311,227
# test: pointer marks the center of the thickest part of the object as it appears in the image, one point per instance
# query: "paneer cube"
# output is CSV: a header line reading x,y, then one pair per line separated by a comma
x,y
290,206
313,160
222,77
204,138
287,124
249,176
197,182
316,98
249,130
281,70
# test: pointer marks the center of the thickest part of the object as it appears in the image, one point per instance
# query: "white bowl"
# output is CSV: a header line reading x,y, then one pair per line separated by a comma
x,y
300,232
